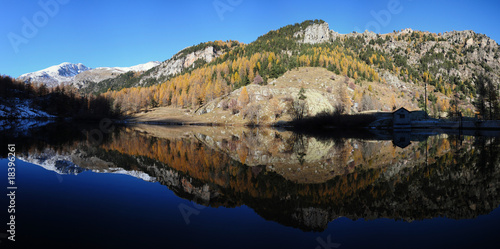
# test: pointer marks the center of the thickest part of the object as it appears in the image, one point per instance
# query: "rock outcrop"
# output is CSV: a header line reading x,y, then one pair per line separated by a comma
x,y
180,62
316,33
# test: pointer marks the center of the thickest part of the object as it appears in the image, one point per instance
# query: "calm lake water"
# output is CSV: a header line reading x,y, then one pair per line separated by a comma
x,y
213,187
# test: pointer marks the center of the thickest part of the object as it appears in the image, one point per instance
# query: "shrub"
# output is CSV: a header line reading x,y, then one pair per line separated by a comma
x,y
225,105
258,80
233,106
352,86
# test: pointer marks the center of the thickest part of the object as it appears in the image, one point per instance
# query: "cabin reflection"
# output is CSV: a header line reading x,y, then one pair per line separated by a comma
x,y
403,139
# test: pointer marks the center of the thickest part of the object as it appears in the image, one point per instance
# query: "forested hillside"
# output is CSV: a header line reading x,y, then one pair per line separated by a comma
x,y
455,67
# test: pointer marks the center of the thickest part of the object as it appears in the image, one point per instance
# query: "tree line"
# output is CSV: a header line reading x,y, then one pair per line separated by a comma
x,y
62,101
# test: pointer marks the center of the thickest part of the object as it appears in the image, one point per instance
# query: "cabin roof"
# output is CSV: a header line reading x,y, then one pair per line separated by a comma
x,y
401,109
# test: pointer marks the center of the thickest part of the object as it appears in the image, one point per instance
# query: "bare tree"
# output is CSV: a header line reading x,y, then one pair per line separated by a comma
x,y
367,102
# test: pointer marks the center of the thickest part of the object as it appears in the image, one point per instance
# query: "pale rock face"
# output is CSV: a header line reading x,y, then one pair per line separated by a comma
x,y
317,103
392,79
207,55
458,36
469,42
176,65
407,31
316,33
369,34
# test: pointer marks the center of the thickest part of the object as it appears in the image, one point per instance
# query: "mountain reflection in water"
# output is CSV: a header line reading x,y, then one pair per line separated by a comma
x,y
302,181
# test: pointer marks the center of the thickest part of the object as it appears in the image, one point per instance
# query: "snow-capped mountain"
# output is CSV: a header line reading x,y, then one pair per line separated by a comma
x,y
78,74
136,68
55,75
76,162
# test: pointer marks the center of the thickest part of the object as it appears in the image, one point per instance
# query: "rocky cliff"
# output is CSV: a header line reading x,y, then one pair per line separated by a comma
x,y
180,62
316,33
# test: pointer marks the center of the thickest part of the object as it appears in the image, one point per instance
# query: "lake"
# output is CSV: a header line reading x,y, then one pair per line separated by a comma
x,y
82,186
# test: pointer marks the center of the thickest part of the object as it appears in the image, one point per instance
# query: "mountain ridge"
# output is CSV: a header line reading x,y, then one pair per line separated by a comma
x,y
456,67
76,74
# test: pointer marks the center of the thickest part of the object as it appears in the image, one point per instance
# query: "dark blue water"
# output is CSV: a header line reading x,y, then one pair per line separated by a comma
x,y
99,210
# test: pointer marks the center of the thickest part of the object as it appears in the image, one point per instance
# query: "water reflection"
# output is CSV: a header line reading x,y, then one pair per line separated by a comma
x,y
298,180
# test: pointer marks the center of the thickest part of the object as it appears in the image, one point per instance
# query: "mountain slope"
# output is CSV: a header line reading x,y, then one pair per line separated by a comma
x,y
184,61
457,68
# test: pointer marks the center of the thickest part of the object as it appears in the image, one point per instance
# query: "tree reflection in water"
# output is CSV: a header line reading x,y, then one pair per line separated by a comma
x,y
298,180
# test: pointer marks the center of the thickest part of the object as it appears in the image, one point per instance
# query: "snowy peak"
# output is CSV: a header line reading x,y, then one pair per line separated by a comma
x,y
55,75
66,69
145,66
137,68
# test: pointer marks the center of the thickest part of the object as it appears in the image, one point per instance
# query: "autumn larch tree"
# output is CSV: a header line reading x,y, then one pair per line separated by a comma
x,y
243,99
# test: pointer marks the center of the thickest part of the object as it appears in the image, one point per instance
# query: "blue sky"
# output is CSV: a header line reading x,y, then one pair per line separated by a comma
x,y
126,33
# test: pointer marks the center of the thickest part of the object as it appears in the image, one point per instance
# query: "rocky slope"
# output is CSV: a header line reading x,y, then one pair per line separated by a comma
x,y
185,60
324,92
474,53
181,61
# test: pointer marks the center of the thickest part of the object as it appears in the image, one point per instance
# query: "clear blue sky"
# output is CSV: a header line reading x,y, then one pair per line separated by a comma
x,y
126,33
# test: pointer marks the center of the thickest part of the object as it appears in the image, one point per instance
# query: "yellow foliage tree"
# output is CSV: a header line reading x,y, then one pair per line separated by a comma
x,y
243,99
393,102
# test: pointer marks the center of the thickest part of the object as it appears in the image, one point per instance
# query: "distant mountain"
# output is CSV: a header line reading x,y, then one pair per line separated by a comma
x,y
78,74
83,79
78,161
55,75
